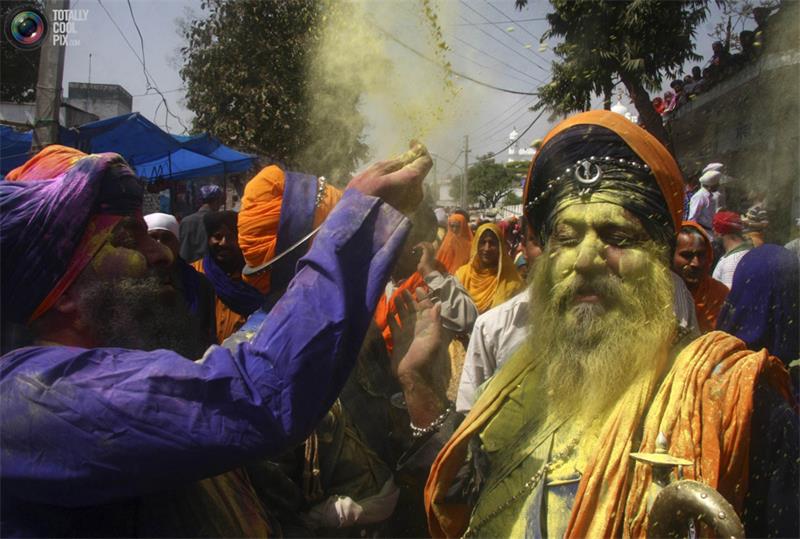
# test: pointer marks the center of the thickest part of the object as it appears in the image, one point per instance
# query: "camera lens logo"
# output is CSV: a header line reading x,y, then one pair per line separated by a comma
x,y
26,28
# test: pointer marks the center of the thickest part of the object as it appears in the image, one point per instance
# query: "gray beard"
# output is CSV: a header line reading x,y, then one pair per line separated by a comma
x,y
141,314
589,354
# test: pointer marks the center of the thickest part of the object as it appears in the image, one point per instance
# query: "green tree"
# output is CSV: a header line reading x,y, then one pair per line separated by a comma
x,y
636,42
19,68
247,67
488,182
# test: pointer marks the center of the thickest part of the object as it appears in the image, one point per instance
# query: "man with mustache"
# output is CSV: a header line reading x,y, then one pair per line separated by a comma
x,y
106,430
692,261
545,450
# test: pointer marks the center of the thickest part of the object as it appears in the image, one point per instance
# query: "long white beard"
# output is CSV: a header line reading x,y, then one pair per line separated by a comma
x,y
589,354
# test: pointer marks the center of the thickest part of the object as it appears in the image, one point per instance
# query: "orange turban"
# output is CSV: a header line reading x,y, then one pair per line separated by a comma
x,y
260,217
52,161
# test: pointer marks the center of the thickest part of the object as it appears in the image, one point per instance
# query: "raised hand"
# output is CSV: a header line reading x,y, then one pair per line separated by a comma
x,y
397,181
419,358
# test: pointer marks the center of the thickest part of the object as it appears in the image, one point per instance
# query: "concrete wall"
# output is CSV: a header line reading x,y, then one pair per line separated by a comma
x,y
751,123
25,114
104,100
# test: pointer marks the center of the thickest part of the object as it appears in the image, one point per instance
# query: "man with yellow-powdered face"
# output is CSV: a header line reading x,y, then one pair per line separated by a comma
x,y
546,449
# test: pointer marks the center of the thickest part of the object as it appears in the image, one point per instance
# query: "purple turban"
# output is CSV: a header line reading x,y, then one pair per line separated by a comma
x,y
43,223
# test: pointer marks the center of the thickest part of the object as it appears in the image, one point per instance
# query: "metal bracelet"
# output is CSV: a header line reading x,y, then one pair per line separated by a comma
x,y
419,432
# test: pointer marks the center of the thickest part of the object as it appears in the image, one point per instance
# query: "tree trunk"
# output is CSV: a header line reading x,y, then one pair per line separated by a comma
x,y
647,113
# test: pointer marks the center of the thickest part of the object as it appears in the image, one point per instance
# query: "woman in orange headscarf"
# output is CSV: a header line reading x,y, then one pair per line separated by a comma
x,y
490,276
455,248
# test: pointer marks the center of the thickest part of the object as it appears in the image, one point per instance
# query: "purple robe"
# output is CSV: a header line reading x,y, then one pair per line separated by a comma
x,y
82,427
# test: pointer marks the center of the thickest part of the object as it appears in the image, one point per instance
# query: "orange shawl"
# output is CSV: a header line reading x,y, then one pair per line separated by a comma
x,y
260,216
703,406
455,248
488,288
709,294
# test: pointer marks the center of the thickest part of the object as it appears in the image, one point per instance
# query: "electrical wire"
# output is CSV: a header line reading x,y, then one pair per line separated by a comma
x,y
509,122
495,154
498,60
451,163
436,62
522,27
495,118
181,89
154,86
506,45
148,76
498,22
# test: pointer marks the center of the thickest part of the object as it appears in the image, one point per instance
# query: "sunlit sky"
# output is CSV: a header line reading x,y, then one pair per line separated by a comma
x,y
489,41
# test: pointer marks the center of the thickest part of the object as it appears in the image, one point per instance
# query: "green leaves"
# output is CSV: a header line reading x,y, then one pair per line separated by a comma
x,y
644,40
247,67
489,182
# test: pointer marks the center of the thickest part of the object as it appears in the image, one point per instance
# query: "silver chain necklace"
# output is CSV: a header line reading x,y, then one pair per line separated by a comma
x,y
527,488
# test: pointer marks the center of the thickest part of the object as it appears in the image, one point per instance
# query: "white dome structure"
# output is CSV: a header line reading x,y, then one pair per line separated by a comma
x,y
619,108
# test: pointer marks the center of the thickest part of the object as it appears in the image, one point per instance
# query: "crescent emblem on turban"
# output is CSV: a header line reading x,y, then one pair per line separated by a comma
x,y
588,173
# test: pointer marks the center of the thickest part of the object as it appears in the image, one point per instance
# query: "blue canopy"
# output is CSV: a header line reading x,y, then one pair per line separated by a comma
x,y
154,153
14,148
209,146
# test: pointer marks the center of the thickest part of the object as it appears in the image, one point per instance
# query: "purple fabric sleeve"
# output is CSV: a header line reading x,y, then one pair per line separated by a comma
x,y
83,427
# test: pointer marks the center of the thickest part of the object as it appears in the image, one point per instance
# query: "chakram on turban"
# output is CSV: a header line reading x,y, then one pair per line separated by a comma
x,y
600,156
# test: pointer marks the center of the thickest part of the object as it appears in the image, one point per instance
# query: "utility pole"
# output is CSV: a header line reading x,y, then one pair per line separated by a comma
x,y
464,176
48,85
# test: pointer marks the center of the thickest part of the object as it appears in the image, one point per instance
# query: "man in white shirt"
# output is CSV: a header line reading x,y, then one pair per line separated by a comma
x,y
728,226
703,204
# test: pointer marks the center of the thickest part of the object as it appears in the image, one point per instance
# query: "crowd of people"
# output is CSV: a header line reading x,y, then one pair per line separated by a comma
x,y
720,66
358,363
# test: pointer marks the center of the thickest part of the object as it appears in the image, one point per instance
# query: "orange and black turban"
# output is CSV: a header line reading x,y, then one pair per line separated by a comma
x,y
600,156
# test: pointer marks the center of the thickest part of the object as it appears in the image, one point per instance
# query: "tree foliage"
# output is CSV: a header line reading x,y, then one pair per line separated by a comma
x,y
19,69
636,42
246,67
487,183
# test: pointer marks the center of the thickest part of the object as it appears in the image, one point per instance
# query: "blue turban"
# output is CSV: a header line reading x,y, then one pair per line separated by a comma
x,y
44,221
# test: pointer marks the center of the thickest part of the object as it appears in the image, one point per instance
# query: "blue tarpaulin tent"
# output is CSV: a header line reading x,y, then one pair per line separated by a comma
x,y
209,146
155,154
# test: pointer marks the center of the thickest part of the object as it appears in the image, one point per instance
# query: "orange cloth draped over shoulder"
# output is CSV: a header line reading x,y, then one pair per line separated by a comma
x,y
710,294
489,288
386,306
260,216
704,407
228,321
52,161
455,248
